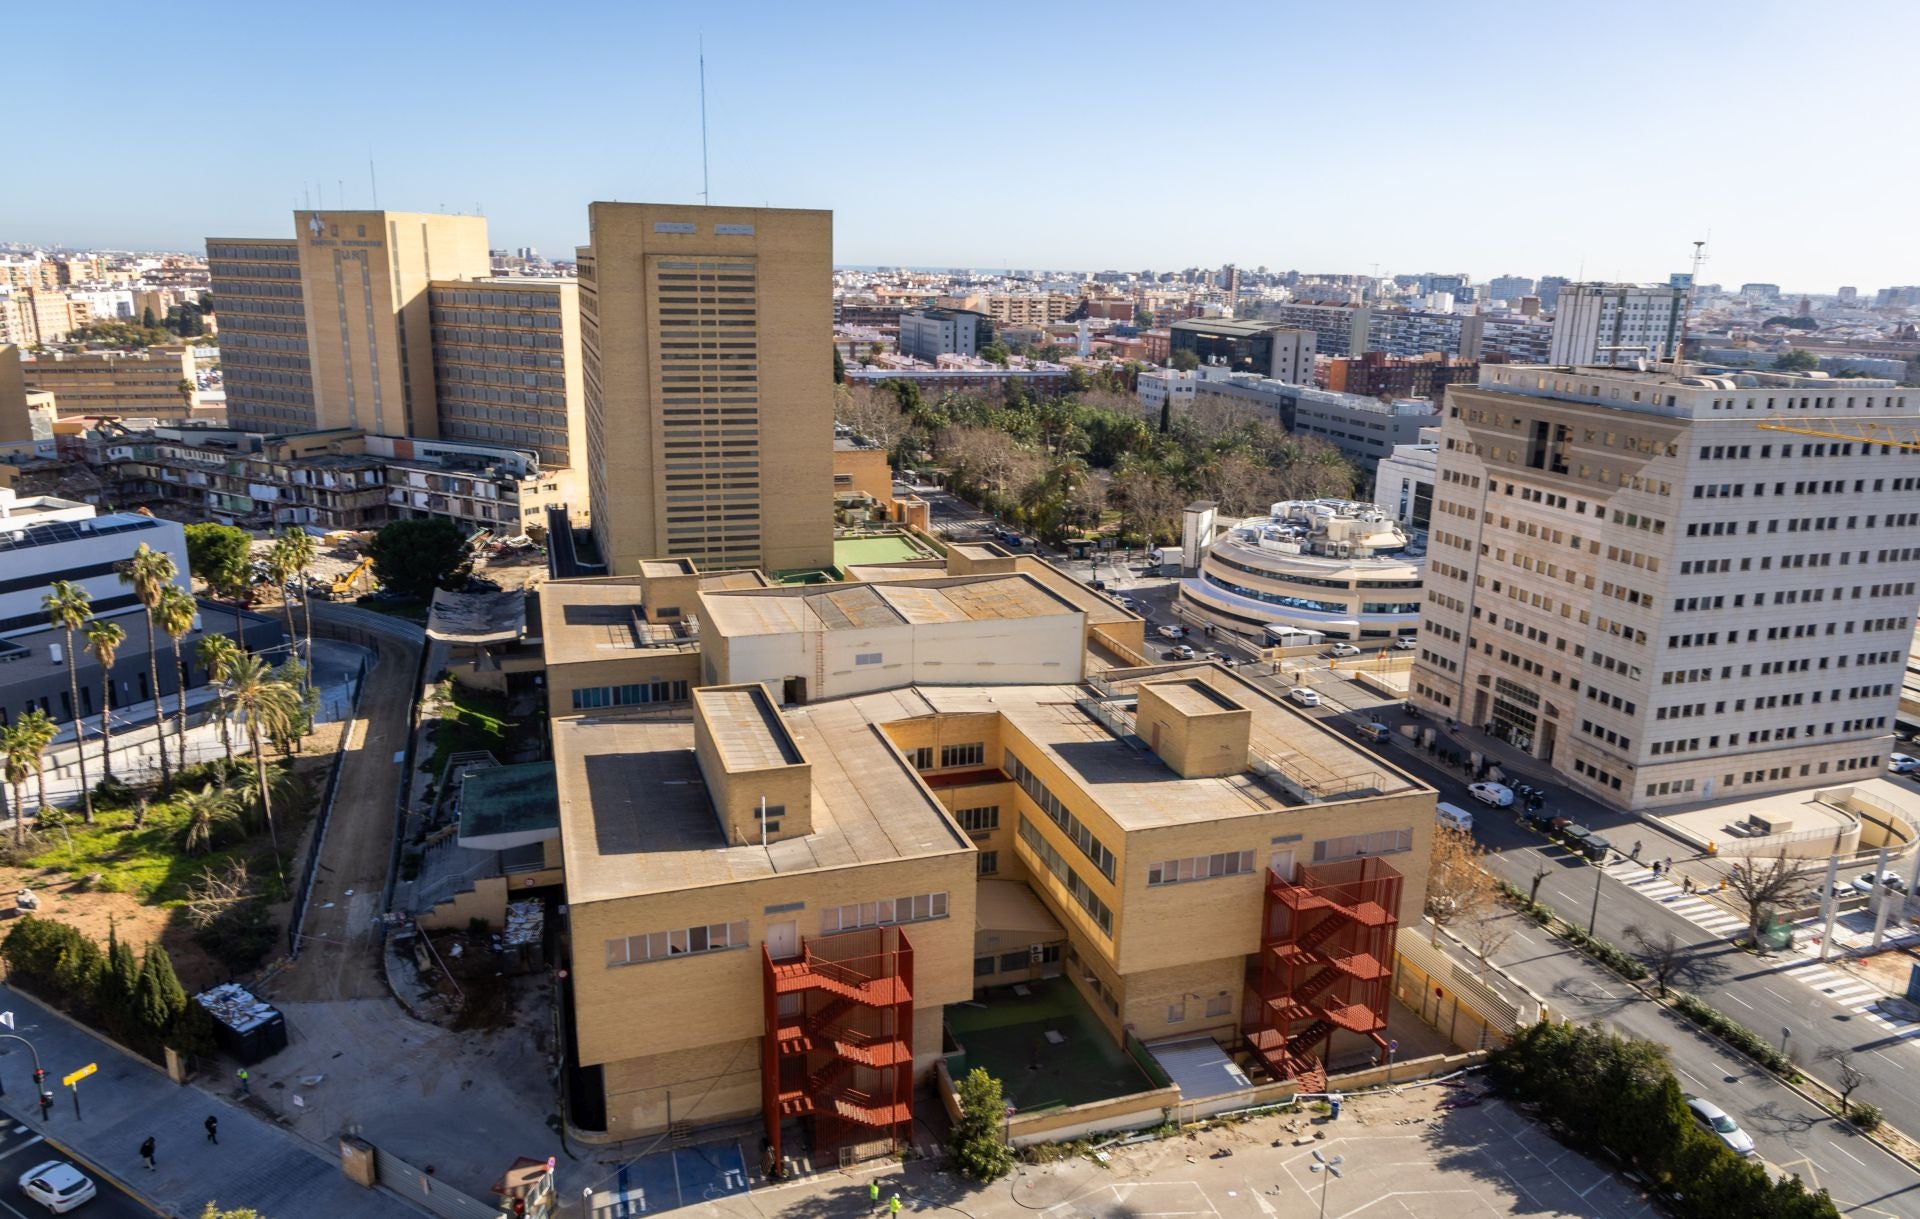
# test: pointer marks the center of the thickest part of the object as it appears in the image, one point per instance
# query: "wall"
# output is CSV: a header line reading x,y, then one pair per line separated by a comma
x,y
1043,649
865,471
620,668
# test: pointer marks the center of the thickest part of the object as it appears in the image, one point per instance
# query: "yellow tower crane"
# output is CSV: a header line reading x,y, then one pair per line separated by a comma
x,y
1901,436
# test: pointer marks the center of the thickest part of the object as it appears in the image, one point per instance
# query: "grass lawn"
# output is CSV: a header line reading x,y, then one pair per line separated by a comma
x,y
468,720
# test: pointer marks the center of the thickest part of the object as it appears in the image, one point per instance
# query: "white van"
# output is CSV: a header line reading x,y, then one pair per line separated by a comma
x,y
1453,816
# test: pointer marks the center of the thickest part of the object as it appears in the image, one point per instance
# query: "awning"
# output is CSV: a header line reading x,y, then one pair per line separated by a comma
x,y
1200,1067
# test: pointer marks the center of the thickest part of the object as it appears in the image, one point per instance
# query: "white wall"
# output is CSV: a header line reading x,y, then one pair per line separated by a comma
x,y
1011,651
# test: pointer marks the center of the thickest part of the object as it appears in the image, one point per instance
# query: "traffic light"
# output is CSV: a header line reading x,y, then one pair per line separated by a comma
x,y
46,1105
519,1207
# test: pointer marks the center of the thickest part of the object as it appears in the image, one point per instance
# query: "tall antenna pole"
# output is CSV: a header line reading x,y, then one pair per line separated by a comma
x,y
705,185
1686,308
373,181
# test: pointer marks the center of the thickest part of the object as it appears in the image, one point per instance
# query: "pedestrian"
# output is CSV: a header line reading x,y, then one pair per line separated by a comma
x,y
873,1195
213,1129
1636,850
1668,869
245,1087
146,1152
1656,867
893,1205
1686,884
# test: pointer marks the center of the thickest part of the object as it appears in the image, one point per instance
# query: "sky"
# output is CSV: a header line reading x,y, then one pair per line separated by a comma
x,y
1580,139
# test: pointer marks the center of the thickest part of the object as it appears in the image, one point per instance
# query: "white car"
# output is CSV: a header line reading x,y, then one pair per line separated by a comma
x,y
1405,643
1129,603
1902,764
1343,649
1497,794
1890,880
1304,696
57,1185
1183,652
1714,1120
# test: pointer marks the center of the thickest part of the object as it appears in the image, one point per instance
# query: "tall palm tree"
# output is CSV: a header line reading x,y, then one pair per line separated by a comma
x,y
104,640
176,612
204,810
41,730
68,607
217,654
281,565
16,754
151,572
271,706
301,550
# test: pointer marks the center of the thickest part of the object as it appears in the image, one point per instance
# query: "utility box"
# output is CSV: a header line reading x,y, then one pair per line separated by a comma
x,y
356,1160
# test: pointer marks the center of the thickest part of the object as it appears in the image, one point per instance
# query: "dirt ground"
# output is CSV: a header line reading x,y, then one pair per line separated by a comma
x,y
1888,970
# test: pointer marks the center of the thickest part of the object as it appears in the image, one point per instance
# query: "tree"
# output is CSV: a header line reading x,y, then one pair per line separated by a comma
x,y
16,756
68,607
301,550
150,572
281,566
839,367
175,614
217,656
269,705
184,388
1797,360
1760,889
203,812
245,1212
415,557
103,641
1487,930
1183,361
1667,957
1143,317
1847,1076
975,1144
119,986
41,732
159,998
219,556
147,320
996,353
1458,888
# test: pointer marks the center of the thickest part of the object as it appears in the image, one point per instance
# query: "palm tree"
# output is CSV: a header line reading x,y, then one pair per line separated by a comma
x,y
217,654
16,754
176,612
104,640
204,810
151,572
41,730
270,706
68,607
301,551
281,565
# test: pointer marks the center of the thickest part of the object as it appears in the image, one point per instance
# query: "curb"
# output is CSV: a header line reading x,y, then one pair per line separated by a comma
x,y
118,1182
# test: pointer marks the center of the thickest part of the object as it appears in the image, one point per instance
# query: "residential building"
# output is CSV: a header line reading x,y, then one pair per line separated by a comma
x,y
1338,330
1343,569
1168,388
16,421
705,333
1403,484
1549,290
928,334
1363,429
506,366
1617,324
1264,348
1378,375
1673,585
145,384
1509,288
1516,339
267,372
1402,333
1029,308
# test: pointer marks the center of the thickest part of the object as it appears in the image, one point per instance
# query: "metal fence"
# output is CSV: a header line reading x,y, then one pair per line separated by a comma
x,y
419,1187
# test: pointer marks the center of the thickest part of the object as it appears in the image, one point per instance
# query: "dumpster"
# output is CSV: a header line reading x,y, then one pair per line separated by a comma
x,y
1595,848
1574,836
248,1028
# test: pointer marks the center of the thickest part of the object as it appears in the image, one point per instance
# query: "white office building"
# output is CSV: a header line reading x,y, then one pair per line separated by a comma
x,y
1617,324
1403,482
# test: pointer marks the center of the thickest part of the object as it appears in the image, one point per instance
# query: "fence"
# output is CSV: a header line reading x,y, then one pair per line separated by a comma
x,y
297,921
419,1187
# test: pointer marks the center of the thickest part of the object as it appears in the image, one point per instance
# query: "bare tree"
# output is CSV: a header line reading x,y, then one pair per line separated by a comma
x,y
1540,872
872,413
1488,929
1666,956
213,892
1763,886
1241,485
1847,1077
1458,888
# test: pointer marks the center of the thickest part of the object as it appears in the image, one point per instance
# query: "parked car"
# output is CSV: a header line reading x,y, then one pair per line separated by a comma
x,y
1343,649
1099,586
1541,819
1714,1120
1304,696
1902,764
1405,643
1128,603
1863,883
1454,816
1374,733
1183,652
57,1185
1167,632
1497,794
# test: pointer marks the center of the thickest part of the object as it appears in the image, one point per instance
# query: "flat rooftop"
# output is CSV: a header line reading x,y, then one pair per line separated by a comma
x,y
635,817
586,620
841,607
747,731
1192,698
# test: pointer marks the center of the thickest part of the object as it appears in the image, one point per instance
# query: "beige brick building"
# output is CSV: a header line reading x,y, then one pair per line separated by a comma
x,y
143,383
267,373
706,337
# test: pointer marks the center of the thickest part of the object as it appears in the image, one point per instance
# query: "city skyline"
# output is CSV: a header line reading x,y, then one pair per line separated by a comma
x,y
1564,177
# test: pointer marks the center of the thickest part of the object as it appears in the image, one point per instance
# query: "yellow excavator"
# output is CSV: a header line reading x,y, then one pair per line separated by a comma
x,y
362,571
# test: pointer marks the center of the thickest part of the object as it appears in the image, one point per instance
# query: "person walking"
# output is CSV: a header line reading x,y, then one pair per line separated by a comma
x,y
213,1129
893,1205
246,1088
1636,850
873,1195
146,1152
1668,866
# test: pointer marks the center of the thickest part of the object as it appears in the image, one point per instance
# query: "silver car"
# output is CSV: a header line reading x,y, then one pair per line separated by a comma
x,y
1714,1120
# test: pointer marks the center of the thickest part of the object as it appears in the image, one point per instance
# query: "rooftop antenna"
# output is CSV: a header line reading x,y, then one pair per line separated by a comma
x,y
705,184
373,181
1686,308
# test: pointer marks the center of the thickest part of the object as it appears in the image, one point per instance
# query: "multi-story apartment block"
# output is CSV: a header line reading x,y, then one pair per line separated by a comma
x,y
1264,348
1402,333
146,383
1363,429
16,421
506,366
1403,484
1509,288
1673,586
1516,339
1378,375
263,334
1617,324
1549,290
705,336
1338,330
1029,308
928,334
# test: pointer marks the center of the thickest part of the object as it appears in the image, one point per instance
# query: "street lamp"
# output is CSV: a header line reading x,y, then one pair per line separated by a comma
x,y
1327,1168
1593,916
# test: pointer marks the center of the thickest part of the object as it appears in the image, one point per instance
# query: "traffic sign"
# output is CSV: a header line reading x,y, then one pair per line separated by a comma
x,y
6,1018
82,1073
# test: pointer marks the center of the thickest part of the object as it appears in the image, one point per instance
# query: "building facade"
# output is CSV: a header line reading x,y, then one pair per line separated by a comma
x,y
1404,482
1673,588
1616,324
1364,429
706,335
263,334
1264,348
506,366
928,334
146,383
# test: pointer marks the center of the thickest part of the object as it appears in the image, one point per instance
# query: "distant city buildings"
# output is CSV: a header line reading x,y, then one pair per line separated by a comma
x,y
1264,348
1616,324
928,334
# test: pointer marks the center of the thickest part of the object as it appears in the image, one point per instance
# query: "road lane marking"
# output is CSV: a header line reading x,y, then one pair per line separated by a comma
x,y
1843,1151
22,1147
1739,1000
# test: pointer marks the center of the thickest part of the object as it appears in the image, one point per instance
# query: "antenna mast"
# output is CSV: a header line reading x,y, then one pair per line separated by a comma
x,y
705,185
1686,308
373,181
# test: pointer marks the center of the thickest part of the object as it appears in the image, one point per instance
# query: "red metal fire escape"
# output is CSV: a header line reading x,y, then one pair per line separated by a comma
x,y
1325,964
839,1041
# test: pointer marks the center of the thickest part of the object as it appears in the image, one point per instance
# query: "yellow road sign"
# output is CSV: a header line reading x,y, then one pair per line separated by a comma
x,y
82,1073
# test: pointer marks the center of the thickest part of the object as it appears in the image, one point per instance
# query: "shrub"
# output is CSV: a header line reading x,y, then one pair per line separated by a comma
x,y
240,937
1735,1034
1865,1118
975,1143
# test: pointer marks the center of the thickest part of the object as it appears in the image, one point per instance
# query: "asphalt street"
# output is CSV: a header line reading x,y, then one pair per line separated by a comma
x,y
21,1149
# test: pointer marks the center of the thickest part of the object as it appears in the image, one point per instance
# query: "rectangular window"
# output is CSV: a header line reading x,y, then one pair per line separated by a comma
x,y
868,658
1220,1005
982,967
1076,885
883,913
1176,1012
923,758
1352,846
981,820
989,863
1200,867
659,945
962,755
1011,961
1056,812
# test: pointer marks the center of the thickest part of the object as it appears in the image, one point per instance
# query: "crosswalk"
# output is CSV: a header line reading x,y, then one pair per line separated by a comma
x,y
1696,910
1854,995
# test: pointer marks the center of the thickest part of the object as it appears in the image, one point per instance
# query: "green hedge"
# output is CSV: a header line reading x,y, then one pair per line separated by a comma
x,y
1600,1091
1735,1034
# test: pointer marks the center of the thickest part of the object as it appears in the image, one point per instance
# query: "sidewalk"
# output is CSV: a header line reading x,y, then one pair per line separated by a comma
x,y
256,1163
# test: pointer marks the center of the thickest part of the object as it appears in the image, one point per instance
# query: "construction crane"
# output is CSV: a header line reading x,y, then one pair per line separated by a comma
x,y
1903,436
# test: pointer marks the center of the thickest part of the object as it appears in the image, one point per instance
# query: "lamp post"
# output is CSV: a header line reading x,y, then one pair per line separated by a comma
x,y
1593,916
1326,1168
1785,1033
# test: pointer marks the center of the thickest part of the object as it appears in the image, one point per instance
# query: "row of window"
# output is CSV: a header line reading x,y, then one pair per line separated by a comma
x,y
1200,867
883,913
630,695
1081,891
660,945
1056,812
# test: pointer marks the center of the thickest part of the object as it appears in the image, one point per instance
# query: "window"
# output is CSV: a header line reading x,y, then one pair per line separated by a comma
x,y
922,758
660,945
1200,867
1056,812
1076,885
1220,1005
962,755
883,913
1176,1012
982,820
1351,846
982,966
989,863
630,695
868,658
1011,961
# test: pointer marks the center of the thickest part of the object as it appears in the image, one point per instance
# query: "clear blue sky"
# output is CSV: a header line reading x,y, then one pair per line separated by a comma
x,y
1528,138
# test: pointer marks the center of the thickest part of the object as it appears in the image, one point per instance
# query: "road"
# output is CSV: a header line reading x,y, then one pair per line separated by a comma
x,y
22,1149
